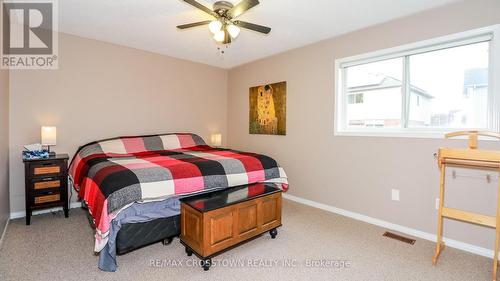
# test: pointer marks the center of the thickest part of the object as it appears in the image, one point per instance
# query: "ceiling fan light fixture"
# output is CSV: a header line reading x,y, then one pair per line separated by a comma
x,y
223,26
233,30
219,36
215,26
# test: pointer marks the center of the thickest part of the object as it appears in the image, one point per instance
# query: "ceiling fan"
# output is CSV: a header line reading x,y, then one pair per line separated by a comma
x,y
225,28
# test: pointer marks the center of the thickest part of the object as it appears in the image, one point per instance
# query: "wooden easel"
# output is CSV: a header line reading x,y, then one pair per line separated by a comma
x,y
475,159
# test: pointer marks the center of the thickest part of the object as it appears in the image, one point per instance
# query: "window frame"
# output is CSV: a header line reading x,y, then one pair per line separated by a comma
x,y
491,34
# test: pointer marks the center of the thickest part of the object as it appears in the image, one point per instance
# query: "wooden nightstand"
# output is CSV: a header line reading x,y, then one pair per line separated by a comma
x,y
46,184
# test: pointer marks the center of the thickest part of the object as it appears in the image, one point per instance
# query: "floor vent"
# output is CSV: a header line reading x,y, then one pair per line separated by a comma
x,y
399,238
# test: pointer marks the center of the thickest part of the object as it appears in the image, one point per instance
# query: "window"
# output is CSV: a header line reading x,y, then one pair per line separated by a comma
x,y
440,79
355,98
422,89
381,83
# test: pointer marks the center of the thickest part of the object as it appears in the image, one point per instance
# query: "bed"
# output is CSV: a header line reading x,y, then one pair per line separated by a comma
x,y
131,185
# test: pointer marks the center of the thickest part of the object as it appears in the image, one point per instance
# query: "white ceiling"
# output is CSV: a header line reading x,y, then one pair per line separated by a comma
x,y
151,24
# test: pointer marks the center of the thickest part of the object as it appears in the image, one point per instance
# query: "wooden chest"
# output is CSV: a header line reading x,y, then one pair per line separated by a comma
x,y
217,221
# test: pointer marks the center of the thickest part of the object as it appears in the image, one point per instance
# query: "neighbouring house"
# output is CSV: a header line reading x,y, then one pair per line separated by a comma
x,y
474,98
377,103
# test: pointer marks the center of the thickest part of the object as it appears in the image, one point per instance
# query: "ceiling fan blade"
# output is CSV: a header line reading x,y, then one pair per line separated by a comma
x,y
253,26
242,7
201,7
194,24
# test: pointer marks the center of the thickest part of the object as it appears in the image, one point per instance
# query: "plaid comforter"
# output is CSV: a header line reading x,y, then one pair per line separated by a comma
x,y
112,174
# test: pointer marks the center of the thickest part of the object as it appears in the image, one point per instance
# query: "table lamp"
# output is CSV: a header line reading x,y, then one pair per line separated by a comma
x,y
49,138
216,140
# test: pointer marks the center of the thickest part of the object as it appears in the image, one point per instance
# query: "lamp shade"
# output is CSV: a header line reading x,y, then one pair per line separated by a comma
x,y
233,30
215,26
220,36
216,139
49,135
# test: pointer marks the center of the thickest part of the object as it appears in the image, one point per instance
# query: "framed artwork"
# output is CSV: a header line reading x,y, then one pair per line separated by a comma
x,y
268,109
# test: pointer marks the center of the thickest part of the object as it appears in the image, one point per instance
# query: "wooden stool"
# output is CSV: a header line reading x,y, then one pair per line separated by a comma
x,y
474,159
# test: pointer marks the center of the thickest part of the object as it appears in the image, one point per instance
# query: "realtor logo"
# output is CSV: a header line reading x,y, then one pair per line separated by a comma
x,y
29,36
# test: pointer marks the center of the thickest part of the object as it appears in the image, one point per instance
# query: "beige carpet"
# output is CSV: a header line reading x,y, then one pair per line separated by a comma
x,y
55,248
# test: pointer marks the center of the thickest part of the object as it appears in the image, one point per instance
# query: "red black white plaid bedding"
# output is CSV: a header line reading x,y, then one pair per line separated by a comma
x,y
112,174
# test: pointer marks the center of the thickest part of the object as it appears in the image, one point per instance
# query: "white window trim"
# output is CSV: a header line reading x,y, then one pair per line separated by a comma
x,y
491,33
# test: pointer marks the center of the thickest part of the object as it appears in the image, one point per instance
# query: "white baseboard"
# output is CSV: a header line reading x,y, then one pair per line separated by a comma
x,y
22,214
395,227
3,233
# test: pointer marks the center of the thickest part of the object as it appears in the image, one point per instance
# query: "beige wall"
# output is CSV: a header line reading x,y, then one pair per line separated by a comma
x,y
358,173
4,149
103,90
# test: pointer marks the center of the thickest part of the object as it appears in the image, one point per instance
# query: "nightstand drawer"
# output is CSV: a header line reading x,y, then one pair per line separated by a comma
x,y
46,169
55,197
43,184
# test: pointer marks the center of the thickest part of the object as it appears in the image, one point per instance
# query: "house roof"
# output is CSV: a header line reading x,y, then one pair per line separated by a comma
x,y
377,82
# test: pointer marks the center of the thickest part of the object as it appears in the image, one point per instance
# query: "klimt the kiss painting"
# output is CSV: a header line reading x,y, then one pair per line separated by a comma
x,y
268,109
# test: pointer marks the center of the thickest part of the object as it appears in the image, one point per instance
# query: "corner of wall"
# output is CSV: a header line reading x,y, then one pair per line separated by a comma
x,y
4,151
227,137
